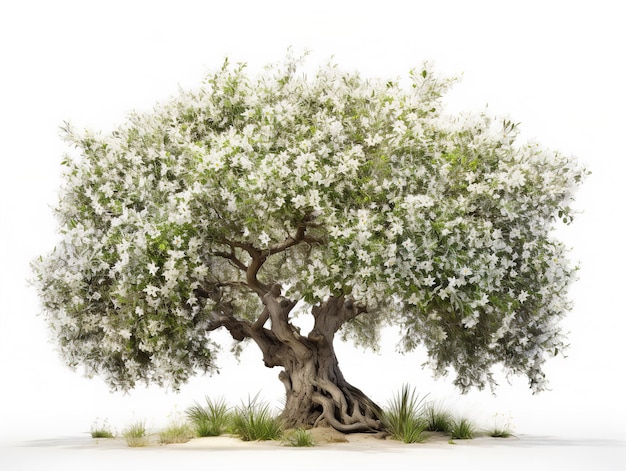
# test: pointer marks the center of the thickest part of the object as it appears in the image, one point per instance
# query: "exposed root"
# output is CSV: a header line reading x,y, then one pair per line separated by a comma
x,y
344,411
348,424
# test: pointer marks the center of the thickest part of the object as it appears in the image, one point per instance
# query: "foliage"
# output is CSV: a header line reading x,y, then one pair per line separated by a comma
x,y
500,429
437,419
299,437
176,432
462,429
254,421
175,224
101,430
135,434
408,417
210,420
498,432
403,420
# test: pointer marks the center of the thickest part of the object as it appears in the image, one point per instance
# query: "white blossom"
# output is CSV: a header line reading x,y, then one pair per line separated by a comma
x,y
439,224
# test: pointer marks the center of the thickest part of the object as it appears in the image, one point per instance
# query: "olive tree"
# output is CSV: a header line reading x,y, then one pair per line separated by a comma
x,y
357,201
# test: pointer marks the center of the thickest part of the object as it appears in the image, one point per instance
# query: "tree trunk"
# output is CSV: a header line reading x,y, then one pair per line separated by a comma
x,y
317,394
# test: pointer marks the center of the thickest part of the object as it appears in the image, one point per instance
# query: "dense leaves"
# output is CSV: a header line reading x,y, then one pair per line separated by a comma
x,y
333,185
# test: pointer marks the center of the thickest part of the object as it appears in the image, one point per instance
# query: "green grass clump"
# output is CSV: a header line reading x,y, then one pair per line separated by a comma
x,y
255,421
497,432
500,429
462,429
135,434
211,420
403,418
176,433
437,419
101,431
299,437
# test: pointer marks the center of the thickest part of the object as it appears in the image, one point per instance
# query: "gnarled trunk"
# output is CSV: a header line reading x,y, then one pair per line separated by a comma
x,y
316,391
317,394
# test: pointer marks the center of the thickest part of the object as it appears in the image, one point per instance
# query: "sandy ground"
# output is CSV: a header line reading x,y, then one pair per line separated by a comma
x,y
332,450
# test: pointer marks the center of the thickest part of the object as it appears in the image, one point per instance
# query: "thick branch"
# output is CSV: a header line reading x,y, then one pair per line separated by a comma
x,y
259,257
331,315
252,251
278,309
238,329
263,318
251,270
251,274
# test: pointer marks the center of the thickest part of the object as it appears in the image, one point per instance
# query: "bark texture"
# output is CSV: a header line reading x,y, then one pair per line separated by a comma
x,y
316,390
317,393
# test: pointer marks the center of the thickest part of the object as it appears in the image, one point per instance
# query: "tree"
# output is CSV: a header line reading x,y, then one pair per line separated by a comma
x,y
356,201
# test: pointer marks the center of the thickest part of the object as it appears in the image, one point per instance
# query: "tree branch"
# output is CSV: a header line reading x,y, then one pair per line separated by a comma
x,y
351,310
294,240
259,257
238,329
252,270
278,309
271,347
251,275
232,258
251,249
263,318
331,315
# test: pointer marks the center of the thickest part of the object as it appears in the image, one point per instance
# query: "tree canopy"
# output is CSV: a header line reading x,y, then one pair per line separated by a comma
x,y
323,187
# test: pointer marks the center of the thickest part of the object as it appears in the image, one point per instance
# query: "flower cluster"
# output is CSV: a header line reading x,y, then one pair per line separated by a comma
x,y
441,225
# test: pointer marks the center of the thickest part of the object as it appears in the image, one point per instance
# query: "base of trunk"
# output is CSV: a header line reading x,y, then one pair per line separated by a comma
x,y
316,392
319,402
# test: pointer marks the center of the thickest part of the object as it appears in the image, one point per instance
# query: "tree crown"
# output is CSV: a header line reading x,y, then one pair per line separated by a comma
x,y
333,186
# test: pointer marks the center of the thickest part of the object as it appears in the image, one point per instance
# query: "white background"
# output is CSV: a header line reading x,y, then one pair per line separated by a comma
x,y
555,66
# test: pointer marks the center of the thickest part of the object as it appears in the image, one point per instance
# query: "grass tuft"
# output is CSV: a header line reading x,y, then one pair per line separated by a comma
x,y
403,420
135,434
462,429
498,430
499,433
101,430
254,421
176,433
299,437
437,419
211,420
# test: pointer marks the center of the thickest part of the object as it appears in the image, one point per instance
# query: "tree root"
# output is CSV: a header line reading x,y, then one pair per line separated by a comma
x,y
344,412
